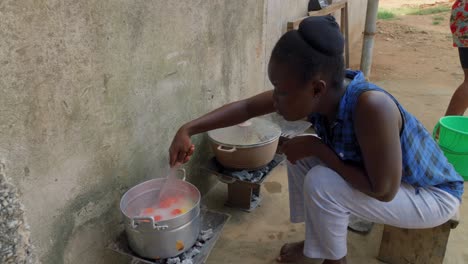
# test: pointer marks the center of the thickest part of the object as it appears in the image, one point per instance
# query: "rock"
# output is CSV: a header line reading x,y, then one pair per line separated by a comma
x,y
12,224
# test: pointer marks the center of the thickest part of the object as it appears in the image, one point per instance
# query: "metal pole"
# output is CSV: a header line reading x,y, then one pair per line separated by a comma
x,y
369,33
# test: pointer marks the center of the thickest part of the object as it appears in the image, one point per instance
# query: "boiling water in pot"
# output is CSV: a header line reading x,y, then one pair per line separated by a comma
x,y
168,208
171,206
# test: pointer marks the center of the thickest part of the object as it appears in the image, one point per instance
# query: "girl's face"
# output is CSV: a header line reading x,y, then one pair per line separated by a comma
x,y
293,99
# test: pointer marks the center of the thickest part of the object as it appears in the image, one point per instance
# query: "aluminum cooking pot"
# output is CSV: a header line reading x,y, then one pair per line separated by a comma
x,y
165,238
249,145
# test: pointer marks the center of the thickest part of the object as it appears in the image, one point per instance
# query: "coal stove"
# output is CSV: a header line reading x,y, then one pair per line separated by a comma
x,y
211,226
243,185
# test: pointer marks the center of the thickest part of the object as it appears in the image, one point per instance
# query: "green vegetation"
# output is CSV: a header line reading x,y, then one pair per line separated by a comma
x,y
394,12
437,19
430,11
384,14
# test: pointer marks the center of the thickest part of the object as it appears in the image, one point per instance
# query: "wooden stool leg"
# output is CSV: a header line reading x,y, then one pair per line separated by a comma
x,y
415,246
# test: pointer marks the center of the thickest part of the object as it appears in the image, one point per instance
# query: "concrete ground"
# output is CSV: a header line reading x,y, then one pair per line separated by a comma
x,y
256,237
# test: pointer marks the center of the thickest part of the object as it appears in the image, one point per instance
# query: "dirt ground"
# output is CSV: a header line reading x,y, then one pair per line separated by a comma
x,y
415,61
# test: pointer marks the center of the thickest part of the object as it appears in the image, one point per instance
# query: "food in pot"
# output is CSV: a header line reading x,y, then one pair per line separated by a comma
x,y
168,208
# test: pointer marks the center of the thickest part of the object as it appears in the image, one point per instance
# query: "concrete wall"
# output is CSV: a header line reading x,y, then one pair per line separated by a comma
x,y
92,92
357,19
277,14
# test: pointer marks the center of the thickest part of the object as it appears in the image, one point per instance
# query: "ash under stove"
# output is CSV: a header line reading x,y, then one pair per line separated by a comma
x,y
211,226
243,185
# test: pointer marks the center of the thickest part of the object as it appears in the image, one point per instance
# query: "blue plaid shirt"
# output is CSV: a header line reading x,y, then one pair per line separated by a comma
x,y
424,164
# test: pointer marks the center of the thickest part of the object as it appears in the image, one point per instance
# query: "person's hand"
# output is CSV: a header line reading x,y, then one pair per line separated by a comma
x,y
302,147
181,148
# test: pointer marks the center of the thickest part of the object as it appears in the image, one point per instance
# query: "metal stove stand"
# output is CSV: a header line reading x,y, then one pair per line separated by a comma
x,y
243,193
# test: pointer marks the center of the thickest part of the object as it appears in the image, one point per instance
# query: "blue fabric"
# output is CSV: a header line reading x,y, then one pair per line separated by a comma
x,y
424,164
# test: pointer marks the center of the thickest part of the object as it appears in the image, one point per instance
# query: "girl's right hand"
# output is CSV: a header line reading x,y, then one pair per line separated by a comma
x,y
181,148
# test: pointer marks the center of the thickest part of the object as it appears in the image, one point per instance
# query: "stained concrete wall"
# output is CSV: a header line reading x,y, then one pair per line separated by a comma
x,y
357,19
277,14
92,92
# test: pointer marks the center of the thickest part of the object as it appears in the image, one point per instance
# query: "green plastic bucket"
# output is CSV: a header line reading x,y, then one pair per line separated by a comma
x,y
453,133
459,161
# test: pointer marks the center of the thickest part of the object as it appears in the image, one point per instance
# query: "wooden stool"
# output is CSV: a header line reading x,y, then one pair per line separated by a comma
x,y
415,246
339,5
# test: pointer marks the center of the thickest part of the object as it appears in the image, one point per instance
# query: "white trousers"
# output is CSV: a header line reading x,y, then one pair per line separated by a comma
x,y
321,198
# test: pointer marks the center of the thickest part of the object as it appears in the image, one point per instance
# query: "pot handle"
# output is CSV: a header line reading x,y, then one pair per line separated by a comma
x,y
184,173
136,221
228,150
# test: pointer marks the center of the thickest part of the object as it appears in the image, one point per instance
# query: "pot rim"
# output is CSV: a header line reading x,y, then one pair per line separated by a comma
x,y
196,205
259,125
245,146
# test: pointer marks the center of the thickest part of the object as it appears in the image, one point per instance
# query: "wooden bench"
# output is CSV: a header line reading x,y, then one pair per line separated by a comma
x,y
415,246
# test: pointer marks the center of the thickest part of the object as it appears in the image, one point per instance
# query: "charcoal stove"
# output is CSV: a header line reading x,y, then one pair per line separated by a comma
x,y
211,226
243,185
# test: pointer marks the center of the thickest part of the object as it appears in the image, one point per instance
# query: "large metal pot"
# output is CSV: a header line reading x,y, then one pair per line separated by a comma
x,y
249,145
160,239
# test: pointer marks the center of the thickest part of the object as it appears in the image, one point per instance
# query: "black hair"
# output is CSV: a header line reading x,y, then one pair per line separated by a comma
x,y
315,49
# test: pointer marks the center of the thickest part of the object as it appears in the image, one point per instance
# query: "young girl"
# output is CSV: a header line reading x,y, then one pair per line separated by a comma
x,y
373,159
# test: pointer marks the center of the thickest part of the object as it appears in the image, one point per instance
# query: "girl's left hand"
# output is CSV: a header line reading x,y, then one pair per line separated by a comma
x,y
302,147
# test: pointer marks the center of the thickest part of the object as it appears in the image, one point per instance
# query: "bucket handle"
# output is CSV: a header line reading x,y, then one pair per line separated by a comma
x,y
225,149
136,221
434,132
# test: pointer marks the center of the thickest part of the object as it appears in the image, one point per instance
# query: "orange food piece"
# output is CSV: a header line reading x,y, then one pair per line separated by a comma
x,y
165,204
176,212
157,218
173,200
179,245
148,211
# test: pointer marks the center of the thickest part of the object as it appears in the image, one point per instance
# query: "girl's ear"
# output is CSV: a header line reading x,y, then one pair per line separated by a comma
x,y
317,88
